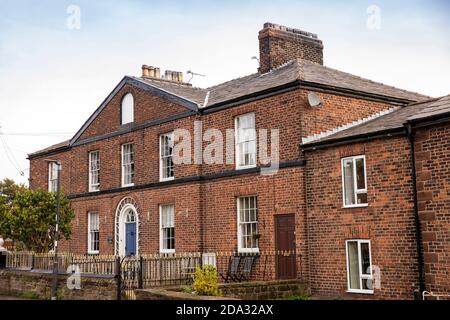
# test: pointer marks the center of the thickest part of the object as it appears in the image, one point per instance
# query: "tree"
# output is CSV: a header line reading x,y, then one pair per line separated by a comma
x,y
8,190
31,219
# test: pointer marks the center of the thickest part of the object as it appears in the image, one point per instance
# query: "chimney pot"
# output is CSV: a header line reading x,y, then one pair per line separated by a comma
x,y
157,73
144,71
151,72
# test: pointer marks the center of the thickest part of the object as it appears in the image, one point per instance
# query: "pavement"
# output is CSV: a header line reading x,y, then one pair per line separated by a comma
x,y
10,298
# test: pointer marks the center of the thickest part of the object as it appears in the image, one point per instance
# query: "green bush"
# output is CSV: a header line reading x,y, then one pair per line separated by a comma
x,y
187,289
205,281
300,297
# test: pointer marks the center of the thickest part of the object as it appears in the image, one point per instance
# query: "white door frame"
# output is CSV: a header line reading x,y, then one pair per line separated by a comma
x,y
120,229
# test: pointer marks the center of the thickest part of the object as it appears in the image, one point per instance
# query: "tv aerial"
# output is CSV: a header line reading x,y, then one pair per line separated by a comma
x,y
193,74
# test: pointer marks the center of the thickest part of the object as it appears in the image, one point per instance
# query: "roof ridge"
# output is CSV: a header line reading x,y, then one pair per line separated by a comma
x,y
427,101
180,84
284,65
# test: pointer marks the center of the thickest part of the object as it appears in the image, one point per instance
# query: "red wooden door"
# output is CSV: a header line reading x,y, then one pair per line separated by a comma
x,y
285,242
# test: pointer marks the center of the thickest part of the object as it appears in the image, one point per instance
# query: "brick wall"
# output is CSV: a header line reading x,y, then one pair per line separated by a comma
x,y
276,195
388,221
288,112
335,111
433,187
207,207
110,118
185,198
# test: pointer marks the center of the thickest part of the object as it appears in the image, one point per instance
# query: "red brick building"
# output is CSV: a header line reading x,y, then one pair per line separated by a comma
x,y
347,196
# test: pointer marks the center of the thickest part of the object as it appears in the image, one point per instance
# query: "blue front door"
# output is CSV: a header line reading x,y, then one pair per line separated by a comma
x,y
130,239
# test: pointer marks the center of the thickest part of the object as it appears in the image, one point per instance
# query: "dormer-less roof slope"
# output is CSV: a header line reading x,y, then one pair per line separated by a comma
x,y
436,108
196,95
297,72
56,147
302,71
395,121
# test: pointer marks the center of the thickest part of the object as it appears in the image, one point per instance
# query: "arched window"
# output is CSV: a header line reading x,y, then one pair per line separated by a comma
x,y
127,109
130,217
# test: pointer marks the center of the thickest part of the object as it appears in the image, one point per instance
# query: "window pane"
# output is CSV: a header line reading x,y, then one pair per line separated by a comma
x,y
52,177
367,284
362,198
246,140
166,149
167,216
360,178
365,259
248,224
94,170
127,109
353,265
94,232
168,227
128,164
349,190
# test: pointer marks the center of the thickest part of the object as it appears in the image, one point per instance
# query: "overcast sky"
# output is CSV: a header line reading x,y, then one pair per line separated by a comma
x,y
53,75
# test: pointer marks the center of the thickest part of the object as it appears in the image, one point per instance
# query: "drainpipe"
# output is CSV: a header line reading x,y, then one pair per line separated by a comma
x,y
411,138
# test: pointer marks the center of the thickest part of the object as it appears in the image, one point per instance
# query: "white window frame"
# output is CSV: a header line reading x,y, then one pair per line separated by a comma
x,y
94,187
90,250
356,190
161,171
52,168
124,185
361,275
129,117
236,142
239,233
161,235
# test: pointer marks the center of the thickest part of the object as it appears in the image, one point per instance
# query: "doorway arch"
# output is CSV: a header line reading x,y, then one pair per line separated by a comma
x,y
127,228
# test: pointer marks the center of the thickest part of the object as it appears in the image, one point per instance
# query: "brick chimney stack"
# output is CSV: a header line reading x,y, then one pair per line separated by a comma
x,y
279,45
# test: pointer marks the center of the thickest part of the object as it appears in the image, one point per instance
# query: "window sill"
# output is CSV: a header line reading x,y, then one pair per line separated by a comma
x,y
356,206
128,185
247,251
166,179
360,291
94,191
94,252
246,167
167,251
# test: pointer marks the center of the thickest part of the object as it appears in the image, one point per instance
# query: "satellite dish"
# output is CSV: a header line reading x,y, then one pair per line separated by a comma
x,y
314,100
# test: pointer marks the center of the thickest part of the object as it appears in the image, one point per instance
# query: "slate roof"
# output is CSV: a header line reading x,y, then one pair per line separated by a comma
x,y
52,148
196,95
296,70
395,120
302,71
435,108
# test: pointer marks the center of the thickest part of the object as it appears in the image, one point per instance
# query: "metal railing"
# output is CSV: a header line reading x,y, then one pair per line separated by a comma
x,y
160,270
